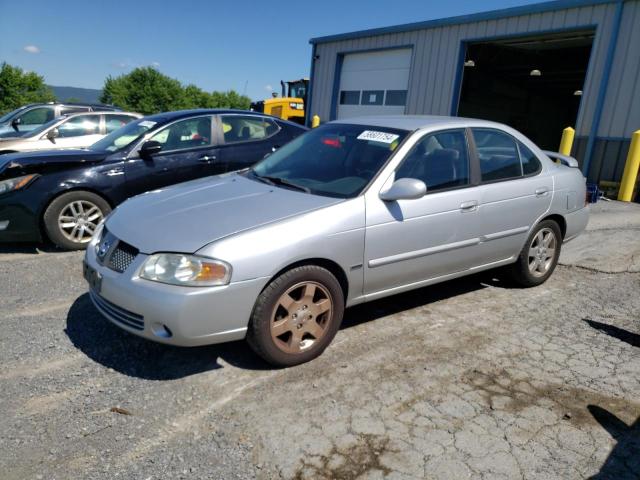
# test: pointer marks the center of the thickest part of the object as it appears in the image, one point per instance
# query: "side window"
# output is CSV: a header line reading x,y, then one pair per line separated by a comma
x,y
498,155
239,128
114,122
70,110
79,126
37,116
440,160
190,133
350,97
530,163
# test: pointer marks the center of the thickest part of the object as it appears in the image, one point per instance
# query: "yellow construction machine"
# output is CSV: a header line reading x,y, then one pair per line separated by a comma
x,y
290,105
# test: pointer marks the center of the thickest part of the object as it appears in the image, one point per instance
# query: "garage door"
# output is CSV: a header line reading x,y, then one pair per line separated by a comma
x,y
374,83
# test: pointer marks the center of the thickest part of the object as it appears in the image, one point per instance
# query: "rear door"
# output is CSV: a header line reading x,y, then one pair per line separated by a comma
x,y
246,139
514,192
189,151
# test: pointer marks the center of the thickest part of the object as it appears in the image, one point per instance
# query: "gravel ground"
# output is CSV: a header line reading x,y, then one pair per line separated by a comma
x,y
467,379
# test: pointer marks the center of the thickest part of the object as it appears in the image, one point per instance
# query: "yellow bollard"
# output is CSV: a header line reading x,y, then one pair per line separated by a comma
x,y
567,141
315,121
630,169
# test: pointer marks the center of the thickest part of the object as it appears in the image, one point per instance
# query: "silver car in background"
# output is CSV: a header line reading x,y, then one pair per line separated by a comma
x,y
77,130
349,212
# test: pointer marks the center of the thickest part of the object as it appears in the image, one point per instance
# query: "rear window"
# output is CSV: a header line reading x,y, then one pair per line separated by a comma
x,y
498,155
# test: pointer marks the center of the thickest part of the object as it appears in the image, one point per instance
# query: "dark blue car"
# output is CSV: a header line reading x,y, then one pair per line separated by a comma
x,y
63,195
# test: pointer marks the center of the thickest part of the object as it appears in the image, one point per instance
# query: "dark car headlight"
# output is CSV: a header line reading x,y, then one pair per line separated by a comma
x,y
17,183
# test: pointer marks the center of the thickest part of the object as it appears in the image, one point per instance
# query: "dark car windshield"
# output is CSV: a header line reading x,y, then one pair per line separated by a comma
x,y
336,159
123,137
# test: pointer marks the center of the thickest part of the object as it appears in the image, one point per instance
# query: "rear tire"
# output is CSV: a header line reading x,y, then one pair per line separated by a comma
x,y
539,256
296,316
71,218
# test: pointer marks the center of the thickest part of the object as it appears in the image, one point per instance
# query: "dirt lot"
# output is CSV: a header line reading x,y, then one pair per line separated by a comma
x,y
467,379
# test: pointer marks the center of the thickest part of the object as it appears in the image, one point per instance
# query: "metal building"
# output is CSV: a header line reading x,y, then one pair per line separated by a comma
x,y
539,68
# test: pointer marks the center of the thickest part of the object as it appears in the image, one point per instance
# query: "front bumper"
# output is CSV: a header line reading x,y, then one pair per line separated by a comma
x,y
175,315
18,218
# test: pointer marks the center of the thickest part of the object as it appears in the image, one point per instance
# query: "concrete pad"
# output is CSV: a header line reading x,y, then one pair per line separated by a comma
x,y
611,242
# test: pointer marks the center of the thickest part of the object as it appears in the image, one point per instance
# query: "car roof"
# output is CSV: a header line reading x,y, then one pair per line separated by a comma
x,y
99,112
418,122
169,116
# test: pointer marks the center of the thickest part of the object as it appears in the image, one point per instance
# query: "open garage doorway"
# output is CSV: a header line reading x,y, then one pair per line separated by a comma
x,y
532,83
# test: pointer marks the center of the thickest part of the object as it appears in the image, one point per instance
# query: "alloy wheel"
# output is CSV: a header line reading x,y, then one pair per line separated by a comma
x,y
301,317
542,251
79,219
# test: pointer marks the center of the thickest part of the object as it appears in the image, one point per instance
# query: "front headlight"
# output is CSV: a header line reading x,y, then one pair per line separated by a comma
x,y
188,270
17,183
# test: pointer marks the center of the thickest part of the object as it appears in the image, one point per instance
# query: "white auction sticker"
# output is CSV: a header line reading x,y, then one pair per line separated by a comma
x,y
375,136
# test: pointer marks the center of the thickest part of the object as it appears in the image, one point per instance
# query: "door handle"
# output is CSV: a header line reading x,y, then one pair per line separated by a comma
x,y
542,191
207,159
470,206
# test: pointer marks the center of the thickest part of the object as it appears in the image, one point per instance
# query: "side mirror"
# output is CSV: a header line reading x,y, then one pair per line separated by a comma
x,y
150,148
404,189
15,123
53,134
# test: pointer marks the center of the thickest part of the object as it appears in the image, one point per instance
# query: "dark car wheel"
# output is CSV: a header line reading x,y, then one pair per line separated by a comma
x,y
539,256
296,316
71,218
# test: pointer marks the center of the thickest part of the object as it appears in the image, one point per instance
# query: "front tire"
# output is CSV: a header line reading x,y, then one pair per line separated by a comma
x,y
71,218
296,316
539,256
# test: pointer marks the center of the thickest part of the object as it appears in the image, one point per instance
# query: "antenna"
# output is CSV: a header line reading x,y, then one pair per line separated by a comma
x,y
244,92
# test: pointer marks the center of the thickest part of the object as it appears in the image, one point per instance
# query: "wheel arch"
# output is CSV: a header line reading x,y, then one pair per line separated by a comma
x,y
560,220
333,267
43,230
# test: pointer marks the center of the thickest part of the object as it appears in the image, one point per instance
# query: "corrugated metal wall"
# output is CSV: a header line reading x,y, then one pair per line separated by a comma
x,y
621,112
436,58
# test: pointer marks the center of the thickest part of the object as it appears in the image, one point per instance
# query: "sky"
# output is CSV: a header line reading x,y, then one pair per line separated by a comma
x,y
248,46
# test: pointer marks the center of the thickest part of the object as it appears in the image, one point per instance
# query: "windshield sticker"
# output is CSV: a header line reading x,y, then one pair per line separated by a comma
x,y
375,136
147,123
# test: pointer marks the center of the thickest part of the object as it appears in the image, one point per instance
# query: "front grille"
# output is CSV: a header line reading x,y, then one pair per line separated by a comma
x,y
116,313
122,256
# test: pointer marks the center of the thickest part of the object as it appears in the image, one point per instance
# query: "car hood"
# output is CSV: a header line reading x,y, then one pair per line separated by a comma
x,y
16,164
188,216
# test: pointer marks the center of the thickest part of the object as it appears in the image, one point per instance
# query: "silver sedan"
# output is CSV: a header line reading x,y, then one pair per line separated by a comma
x,y
349,212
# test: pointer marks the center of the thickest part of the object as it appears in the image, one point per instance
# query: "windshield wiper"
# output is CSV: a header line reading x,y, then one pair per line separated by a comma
x,y
282,181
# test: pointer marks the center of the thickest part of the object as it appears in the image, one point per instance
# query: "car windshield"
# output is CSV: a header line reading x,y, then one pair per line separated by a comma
x,y
7,116
336,160
123,137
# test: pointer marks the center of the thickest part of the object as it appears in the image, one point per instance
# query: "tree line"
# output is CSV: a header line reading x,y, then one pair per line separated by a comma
x,y
144,90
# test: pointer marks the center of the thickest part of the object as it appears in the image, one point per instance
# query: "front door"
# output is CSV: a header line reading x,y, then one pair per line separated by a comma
x,y
409,241
247,139
188,152
77,132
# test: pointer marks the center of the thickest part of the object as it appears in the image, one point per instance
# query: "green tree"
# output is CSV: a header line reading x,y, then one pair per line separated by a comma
x,y
148,91
18,88
195,97
230,99
144,90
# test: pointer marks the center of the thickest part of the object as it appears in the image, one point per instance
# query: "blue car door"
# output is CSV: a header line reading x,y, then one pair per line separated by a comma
x,y
189,151
246,139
